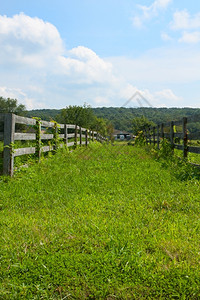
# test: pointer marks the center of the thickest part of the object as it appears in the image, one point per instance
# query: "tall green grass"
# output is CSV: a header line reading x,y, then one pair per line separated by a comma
x,y
106,222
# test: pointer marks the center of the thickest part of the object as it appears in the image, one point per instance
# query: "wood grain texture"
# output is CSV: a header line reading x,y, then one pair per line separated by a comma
x,y
46,136
23,151
24,136
71,135
71,126
25,121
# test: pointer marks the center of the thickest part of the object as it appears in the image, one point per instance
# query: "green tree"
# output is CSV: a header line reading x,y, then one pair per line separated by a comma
x,y
100,125
12,106
79,115
140,123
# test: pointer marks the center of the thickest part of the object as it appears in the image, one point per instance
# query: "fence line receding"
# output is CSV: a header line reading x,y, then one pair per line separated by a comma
x,y
47,136
177,133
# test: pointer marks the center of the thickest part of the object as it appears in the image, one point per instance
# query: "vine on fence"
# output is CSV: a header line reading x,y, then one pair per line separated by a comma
x,y
37,128
37,145
56,132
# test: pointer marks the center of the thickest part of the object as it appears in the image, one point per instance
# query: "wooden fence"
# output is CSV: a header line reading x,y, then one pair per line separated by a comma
x,y
177,133
40,132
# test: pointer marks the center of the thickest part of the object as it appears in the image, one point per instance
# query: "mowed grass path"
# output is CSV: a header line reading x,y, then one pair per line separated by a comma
x,y
99,223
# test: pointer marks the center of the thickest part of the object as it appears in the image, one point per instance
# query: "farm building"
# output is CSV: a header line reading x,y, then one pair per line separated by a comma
x,y
122,135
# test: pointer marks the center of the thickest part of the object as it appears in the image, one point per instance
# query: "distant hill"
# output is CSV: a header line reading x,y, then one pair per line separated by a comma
x,y
44,114
122,117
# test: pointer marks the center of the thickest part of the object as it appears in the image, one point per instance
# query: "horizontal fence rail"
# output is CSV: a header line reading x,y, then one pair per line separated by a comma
x,y
177,133
39,132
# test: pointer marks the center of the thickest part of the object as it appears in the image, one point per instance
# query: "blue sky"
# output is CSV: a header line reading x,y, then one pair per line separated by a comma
x,y
59,53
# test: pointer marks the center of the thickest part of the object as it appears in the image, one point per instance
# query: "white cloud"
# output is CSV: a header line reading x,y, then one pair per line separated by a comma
x,y
162,98
16,93
32,43
36,31
137,22
161,4
38,70
101,101
147,98
165,37
34,50
167,94
188,25
28,41
190,37
163,66
149,12
86,66
182,20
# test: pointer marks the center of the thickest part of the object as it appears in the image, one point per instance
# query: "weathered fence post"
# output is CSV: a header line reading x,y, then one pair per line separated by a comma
x,y
80,135
56,135
86,137
172,134
76,135
185,138
93,136
9,131
158,137
145,136
65,134
38,138
149,132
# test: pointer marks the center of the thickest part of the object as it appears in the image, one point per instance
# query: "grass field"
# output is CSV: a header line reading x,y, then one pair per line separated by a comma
x,y
106,222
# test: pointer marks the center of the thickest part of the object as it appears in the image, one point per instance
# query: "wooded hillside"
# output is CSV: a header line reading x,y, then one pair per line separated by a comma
x,y
122,117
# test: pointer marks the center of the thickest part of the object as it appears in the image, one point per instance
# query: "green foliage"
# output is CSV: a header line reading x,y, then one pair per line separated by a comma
x,y
11,106
110,131
166,150
99,125
56,140
140,124
38,143
79,115
84,117
44,114
121,117
103,222
179,167
140,139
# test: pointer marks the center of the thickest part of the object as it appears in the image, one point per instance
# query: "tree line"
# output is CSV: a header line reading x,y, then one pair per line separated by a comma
x,y
130,119
82,116
106,119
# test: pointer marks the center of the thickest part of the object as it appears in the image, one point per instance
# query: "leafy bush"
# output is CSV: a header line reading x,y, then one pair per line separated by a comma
x,y
181,168
140,139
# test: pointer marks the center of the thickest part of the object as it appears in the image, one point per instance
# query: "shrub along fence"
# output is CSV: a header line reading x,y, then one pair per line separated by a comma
x,y
42,135
177,133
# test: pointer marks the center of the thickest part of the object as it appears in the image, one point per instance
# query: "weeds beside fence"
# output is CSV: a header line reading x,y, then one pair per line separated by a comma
x,y
177,133
42,136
